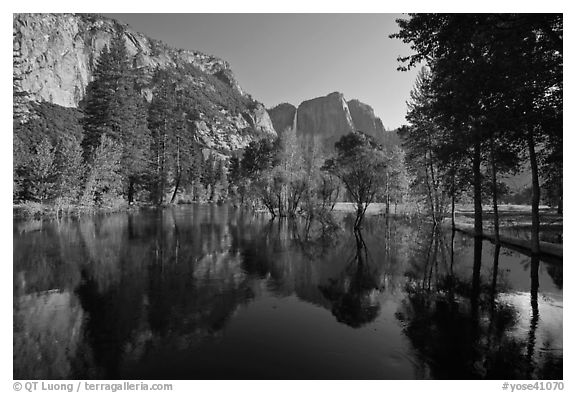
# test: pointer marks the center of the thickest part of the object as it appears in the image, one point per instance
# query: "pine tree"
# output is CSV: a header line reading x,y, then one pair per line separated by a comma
x,y
160,122
175,152
116,108
99,93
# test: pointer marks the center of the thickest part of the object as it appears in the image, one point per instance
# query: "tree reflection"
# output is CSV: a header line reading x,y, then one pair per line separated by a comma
x,y
353,294
148,294
175,284
460,328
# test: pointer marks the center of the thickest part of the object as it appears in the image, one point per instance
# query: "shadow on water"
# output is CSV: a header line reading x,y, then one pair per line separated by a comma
x,y
216,292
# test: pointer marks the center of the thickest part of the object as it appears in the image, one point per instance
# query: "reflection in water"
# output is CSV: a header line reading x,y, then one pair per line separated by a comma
x,y
215,292
476,341
354,293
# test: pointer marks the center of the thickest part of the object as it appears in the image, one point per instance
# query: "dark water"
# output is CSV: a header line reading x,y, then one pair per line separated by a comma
x,y
207,292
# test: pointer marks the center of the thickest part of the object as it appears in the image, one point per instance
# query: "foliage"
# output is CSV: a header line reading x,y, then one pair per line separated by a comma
x,y
70,166
104,180
42,175
360,164
493,92
115,108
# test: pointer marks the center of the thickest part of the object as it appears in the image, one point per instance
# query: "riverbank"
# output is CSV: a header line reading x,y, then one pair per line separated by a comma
x,y
515,224
43,210
515,228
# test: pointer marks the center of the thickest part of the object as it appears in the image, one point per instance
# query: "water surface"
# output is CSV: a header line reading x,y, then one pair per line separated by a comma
x,y
212,292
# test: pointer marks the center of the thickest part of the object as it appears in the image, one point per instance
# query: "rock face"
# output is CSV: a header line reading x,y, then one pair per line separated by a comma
x,y
325,117
282,116
365,120
57,55
330,117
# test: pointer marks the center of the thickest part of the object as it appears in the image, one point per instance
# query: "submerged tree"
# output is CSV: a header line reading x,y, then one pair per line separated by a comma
x,y
360,164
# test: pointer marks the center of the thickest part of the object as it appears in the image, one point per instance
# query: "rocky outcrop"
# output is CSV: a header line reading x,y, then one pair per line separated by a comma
x,y
231,132
57,55
330,117
325,117
282,116
60,52
364,119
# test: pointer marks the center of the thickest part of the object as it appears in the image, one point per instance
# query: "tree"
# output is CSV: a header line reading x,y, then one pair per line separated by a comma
x,y
104,180
160,118
43,176
71,168
171,119
496,82
396,177
115,108
210,174
360,164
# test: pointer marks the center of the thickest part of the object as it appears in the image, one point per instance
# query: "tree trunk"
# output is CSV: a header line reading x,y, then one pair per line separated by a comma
x,y
477,188
453,213
280,210
387,195
158,176
175,189
535,194
359,215
495,198
130,191
178,171
429,189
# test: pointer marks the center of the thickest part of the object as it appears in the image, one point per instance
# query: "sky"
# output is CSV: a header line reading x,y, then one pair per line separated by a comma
x,y
294,57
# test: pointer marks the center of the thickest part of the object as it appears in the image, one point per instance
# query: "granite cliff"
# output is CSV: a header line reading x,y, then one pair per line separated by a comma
x,y
330,117
55,56
364,118
282,116
327,117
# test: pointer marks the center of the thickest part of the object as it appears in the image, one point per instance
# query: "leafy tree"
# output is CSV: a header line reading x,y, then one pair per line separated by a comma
x,y
20,170
43,176
360,164
46,124
259,156
104,180
397,179
70,164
